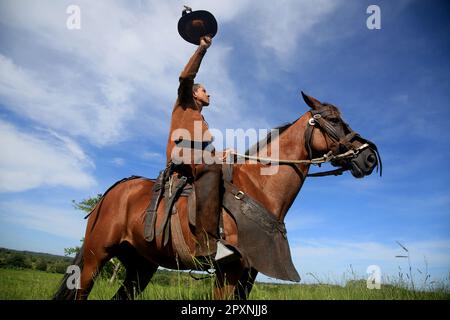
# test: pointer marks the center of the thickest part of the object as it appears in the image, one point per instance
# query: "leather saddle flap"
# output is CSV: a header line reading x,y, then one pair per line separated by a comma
x,y
259,230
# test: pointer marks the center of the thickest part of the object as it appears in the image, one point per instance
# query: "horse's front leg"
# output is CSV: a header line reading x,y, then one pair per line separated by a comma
x,y
227,280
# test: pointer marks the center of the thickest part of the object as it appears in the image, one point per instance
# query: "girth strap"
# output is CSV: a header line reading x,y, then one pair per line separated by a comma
x,y
179,243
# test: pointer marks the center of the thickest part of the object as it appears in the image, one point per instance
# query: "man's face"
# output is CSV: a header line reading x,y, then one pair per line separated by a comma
x,y
202,96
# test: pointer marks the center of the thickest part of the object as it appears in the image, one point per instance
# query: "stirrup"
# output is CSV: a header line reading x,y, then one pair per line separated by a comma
x,y
223,254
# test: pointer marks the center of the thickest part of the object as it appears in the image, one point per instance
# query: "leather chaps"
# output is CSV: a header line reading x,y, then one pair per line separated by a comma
x,y
207,186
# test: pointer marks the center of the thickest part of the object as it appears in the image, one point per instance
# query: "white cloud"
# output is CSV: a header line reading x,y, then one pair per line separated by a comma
x,y
122,66
90,92
282,25
118,161
224,11
277,26
29,161
74,149
149,155
72,110
59,222
331,258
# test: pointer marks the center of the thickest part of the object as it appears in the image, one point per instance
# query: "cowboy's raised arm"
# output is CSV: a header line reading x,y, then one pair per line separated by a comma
x,y
187,76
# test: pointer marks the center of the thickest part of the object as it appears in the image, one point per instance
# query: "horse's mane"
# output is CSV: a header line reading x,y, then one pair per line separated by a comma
x,y
265,141
332,107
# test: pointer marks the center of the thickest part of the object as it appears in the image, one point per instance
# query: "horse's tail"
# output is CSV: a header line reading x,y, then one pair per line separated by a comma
x,y
64,293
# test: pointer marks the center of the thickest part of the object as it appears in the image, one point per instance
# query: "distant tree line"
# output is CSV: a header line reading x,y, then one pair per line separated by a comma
x,y
14,259
52,263
113,270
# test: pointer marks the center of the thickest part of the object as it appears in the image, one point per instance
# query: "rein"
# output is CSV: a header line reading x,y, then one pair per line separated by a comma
x,y
316,161
318,120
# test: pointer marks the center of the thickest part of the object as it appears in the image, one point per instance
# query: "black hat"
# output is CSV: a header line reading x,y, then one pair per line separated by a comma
x,y
196,24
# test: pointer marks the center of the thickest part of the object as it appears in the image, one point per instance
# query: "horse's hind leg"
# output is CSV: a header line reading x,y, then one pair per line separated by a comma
x,y
92,264
135,282
139,272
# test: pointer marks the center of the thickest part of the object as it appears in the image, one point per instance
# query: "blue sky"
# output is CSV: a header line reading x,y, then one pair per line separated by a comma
x,y
81,109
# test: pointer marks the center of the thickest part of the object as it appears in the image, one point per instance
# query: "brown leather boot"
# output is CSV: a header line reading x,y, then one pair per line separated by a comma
x,y
207,193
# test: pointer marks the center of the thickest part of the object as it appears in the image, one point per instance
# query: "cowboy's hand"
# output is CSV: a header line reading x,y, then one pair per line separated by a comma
x,y
205,42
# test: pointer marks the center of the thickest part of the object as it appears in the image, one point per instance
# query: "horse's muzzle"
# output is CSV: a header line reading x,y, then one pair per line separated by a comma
x,y
364,163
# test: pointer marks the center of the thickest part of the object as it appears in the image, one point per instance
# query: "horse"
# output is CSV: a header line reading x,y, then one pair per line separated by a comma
x,y
115,227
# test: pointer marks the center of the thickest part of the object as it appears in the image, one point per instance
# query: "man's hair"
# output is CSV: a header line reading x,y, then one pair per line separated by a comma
x,y
196,86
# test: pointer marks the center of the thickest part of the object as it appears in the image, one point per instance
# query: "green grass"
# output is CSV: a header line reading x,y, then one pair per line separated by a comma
x,y
27,284
351,291
36,285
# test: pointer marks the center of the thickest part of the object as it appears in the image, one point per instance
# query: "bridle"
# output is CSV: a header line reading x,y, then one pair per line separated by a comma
x,y
341,143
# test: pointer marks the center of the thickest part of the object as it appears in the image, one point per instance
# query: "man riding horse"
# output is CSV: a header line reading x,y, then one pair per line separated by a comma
x,y
189,141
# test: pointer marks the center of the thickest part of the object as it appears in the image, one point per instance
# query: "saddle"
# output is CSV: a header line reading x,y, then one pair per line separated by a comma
x,y
257,227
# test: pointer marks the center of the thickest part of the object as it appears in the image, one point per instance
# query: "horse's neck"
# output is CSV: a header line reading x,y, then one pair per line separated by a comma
x,y
277,191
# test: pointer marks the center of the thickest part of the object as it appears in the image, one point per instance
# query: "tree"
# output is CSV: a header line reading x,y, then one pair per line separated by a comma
x,y
16,260
87,205
58,266
41,265
73,250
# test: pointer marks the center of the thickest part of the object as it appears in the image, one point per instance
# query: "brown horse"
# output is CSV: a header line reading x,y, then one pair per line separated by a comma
x,y
116,226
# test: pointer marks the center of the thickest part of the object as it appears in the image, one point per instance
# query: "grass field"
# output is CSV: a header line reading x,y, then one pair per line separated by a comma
x,y
40,285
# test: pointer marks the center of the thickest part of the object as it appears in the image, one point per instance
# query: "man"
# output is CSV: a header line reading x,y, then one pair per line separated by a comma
x,y
189,140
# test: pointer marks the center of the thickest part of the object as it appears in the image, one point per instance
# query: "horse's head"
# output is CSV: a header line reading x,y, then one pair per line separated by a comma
x,y
327,134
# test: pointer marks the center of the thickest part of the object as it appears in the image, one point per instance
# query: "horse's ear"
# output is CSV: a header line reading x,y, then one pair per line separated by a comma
x,y
313,103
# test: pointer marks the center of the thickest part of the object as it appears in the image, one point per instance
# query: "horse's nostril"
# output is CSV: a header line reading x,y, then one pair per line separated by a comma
x,y
371,159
